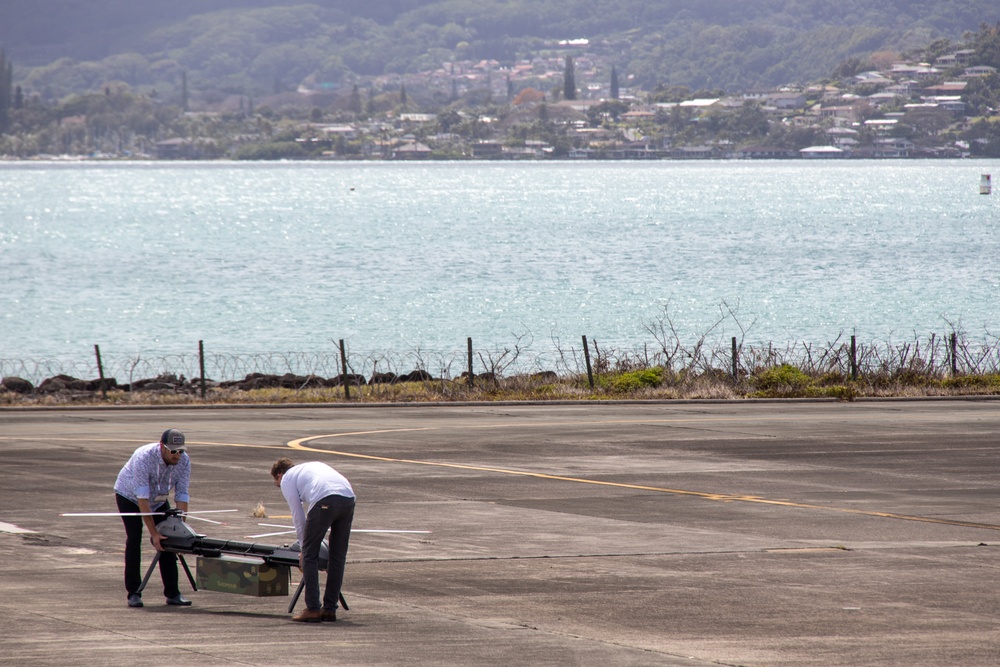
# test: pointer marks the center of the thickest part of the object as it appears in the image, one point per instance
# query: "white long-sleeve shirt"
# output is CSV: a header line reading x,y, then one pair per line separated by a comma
x,y
305,484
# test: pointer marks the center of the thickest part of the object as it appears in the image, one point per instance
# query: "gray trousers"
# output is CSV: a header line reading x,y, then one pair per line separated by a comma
x,y
334,514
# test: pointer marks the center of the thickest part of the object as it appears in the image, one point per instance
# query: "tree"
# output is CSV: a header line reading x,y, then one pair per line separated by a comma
x,y
355,102
610,110
987,45
184,90
569,80
6,91
614,83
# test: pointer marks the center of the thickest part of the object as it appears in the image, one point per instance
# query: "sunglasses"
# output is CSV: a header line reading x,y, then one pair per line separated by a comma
x,y
176,451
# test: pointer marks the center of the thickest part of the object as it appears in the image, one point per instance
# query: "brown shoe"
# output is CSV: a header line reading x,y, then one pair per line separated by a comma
x,y
329,615
308,616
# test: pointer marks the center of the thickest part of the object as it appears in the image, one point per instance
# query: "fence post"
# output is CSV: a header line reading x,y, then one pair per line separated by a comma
x,y
343,374
854,358
100,371
736,361
586,355
954,354
201,365
471,376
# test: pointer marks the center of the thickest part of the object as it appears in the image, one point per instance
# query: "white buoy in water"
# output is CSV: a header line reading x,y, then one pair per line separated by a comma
x,y
985,187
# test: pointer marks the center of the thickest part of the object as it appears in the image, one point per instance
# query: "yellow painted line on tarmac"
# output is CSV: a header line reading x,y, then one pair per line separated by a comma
x,y
300,445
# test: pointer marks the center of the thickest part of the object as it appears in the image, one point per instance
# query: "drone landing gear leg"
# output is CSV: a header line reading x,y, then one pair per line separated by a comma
x,y
295,596
187,571
298,592
149,572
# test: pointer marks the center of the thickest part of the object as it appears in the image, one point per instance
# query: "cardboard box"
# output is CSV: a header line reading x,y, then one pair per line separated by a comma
x,y
243,576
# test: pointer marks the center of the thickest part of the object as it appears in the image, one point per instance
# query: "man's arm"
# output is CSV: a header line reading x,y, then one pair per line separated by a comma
x,y
154,534
295,506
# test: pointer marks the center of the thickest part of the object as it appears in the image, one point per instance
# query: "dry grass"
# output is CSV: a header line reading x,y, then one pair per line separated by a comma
x,y
780,382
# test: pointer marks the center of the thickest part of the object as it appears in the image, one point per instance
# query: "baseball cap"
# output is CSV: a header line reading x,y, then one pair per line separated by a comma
x,y
173,439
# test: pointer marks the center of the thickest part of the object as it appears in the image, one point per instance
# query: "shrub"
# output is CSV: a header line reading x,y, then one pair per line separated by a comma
x,y
989,381
781,380
627,383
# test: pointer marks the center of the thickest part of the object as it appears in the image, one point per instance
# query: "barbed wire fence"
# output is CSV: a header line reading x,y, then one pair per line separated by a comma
x,y
932,357
713,351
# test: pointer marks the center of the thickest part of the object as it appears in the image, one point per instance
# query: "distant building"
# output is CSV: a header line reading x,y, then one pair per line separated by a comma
x,y
487,149
693,153
979,70
411,150
764,153
786,100
820,152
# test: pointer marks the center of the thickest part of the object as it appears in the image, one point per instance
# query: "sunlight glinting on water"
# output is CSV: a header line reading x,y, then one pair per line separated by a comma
x,y
153,257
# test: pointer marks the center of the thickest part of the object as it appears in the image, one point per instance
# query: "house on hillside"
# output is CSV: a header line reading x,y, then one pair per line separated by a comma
x,y
843,137
786,100
947,88
882,125
979,70
841,111
872,79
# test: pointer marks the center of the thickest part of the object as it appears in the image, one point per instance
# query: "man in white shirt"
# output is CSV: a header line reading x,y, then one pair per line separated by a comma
x,y
321,500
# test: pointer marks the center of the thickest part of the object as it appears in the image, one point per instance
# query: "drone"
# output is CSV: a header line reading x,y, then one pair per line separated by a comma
x,y
181,539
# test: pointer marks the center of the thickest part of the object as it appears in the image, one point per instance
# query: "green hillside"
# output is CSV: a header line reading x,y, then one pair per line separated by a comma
x,y
258,47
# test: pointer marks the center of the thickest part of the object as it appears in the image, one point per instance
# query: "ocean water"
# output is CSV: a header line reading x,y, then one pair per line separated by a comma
x,y
150,258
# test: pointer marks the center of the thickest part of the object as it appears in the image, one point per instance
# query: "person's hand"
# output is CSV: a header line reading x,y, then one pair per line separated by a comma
x,y
301,554
155,539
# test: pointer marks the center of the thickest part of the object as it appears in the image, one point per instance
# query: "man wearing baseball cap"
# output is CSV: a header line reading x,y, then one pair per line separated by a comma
x,y
141,489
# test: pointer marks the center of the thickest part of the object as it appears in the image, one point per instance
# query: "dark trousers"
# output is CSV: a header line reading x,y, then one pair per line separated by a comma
x,y
334,514
133,551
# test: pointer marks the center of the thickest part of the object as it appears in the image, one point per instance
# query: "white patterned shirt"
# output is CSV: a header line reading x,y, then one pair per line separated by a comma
x,y
146,475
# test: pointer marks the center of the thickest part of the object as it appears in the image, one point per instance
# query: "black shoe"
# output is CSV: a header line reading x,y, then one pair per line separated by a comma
x,y
328,615
135,600
179,601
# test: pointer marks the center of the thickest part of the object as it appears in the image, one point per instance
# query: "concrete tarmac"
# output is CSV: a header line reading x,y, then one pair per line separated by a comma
x,y
680,533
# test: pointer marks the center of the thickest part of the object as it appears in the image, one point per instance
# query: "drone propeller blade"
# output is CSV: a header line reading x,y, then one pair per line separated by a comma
x,y
111,514
283,532
353,530
147,514
198,518
372,530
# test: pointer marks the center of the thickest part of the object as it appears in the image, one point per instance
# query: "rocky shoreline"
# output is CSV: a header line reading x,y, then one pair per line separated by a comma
x,y
70,387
